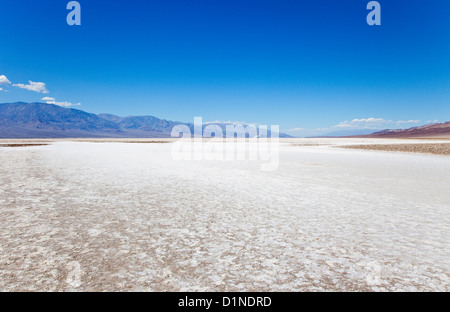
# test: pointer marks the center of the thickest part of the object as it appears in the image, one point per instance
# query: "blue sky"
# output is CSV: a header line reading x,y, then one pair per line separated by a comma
x,y
314,66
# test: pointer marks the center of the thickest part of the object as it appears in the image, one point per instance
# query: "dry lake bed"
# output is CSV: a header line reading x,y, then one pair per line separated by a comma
x,y
124,216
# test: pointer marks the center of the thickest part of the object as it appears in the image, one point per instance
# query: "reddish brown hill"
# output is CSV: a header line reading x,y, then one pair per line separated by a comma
x,y
427,131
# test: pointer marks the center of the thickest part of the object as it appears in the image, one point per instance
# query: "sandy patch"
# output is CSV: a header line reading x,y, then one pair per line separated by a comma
x,y
427,148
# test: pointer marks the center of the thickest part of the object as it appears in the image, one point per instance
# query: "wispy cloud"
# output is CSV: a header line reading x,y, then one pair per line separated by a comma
x,y
4,80
33,86
229,122
363,123
39,87
372,123
408,122
51,100
357,125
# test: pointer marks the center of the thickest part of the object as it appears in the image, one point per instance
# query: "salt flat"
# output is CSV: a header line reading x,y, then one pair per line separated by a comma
x,y
126,216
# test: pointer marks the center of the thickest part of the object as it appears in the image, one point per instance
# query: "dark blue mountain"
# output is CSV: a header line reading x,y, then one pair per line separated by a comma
x,y
39,120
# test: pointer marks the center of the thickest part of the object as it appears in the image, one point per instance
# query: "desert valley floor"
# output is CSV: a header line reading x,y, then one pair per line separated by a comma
x,y
90,216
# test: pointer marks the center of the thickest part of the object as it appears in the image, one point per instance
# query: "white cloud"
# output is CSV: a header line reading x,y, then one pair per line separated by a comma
x,y
373,123
47,98
50,100
370,120
224,122
33,86
363,123
4,80
229,122
358,124
408,121
1,89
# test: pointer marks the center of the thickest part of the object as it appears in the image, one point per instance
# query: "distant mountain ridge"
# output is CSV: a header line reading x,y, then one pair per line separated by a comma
x,y
39,120
430,130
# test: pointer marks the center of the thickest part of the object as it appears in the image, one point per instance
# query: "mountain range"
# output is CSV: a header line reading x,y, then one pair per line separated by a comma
x,y
434,130
39,120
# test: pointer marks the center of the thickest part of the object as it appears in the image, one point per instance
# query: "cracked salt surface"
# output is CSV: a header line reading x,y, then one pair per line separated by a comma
x,y
134,219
